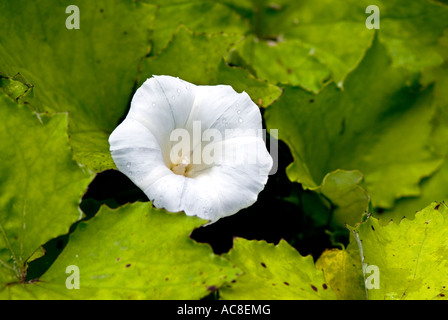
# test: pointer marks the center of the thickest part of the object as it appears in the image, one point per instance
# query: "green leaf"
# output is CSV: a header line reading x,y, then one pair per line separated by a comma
x,y
411,31
282,62
410,255
349,199
433,188
134,252
40,186
209,69
438,77
201,16
274,272
303,43
407,259
15,87
343,272
365,127
89,72
441,1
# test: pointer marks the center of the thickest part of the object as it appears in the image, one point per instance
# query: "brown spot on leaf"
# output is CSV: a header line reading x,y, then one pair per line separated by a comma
x,y
437,207
314,288
325,286
212,288
286,283
263,265
128,265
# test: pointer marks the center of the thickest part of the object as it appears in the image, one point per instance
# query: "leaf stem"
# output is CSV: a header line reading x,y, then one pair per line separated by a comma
x,y
8,244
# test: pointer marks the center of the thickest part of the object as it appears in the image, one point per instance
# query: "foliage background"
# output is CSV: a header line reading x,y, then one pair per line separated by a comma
x,y
362,119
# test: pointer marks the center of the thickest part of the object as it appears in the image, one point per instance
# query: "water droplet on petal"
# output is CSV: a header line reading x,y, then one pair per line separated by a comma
x,y
178,90
240,120
153,104
128,165
239,111
139,177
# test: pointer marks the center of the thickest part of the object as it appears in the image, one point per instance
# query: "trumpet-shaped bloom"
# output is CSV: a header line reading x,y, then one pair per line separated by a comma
x,y
197,149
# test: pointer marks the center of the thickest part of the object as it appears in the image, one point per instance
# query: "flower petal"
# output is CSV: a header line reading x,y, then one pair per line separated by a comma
x,y
162,104
232,184
137,153
222,108
200,199
167,191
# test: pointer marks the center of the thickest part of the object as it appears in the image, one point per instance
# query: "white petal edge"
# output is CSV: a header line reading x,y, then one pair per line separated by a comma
x,y
137,153
221,107
161,104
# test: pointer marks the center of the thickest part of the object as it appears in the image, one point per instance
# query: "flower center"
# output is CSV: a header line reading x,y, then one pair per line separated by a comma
x,y
181,167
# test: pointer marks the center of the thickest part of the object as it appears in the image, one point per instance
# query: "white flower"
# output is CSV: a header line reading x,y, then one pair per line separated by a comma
x,y
219,170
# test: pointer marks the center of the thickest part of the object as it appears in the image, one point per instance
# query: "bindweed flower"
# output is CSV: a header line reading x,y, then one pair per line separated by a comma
x,y
197,149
